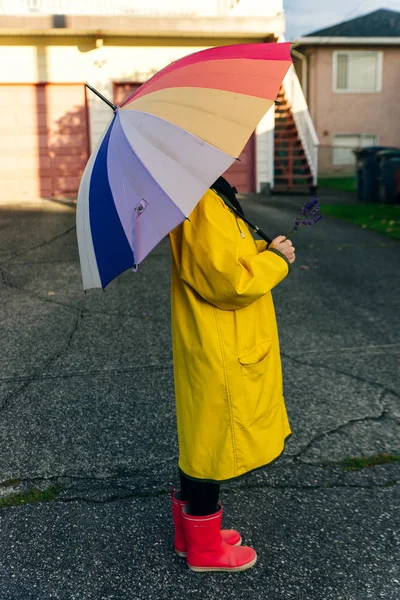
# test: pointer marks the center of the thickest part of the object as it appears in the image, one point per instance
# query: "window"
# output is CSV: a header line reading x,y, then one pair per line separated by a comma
x,y
357,72
343,146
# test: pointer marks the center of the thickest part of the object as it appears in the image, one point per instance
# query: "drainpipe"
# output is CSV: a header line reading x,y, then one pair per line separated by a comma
x,y
304,81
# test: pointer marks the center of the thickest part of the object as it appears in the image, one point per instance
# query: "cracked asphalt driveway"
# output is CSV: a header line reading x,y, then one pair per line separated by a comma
x,y
86,401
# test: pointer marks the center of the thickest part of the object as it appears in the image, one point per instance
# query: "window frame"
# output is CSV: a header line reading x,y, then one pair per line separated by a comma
x,y
360,136
379,63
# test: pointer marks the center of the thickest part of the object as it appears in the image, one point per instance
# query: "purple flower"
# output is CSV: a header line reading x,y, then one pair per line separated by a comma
x,y
308,213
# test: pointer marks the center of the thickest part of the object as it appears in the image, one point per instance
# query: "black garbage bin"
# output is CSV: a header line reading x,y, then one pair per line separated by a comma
x,y
389,176
367,173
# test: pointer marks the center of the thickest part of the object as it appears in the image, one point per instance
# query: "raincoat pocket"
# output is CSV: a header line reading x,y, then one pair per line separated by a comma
x,y
253,362
256,384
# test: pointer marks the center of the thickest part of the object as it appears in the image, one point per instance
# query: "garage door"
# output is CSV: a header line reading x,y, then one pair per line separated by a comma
x,y
123,90
241,174
44,142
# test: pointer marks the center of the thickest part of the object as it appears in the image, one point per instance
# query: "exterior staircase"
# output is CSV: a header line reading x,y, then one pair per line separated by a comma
x,y
292,172
296,140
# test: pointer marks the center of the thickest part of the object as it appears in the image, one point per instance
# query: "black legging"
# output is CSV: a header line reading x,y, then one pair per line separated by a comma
x,y
201,495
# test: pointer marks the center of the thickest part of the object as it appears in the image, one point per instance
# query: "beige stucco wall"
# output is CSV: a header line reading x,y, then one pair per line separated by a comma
x,y
352,113
76,59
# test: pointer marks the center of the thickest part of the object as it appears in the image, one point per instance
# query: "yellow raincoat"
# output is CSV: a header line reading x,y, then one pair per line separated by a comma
x,y
231,414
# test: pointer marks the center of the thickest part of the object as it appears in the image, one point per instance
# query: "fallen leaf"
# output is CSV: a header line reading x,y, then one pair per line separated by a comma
x,y
51,293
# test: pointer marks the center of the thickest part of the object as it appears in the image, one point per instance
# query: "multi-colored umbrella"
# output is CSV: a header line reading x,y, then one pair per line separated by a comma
x,y
165,146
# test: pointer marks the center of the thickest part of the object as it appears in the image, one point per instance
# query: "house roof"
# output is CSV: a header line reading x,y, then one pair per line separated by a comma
x,y
379,23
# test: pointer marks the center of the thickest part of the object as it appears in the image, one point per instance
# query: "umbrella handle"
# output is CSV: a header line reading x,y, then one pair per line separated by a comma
x,y
259,232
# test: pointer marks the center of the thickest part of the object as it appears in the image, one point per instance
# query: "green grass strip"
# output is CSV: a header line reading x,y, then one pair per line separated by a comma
x,y
346,184
358,463
32,495
383,218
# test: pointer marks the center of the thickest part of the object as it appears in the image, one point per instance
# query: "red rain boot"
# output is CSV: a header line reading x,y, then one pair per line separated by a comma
x,y
230,536
207,551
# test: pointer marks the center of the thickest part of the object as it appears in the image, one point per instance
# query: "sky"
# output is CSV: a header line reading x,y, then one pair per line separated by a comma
x,y
305,16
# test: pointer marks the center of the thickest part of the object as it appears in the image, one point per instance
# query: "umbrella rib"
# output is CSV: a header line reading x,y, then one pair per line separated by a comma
x,y
193,173
145,167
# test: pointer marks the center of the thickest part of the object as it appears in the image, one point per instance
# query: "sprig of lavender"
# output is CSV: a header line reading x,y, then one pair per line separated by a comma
x,y
308,214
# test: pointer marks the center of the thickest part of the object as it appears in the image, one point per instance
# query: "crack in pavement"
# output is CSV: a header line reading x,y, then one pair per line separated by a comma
x,y
350,348
169,365
303,488
383,415
3,278
131,314
87,374
130,484
46,262
117,497
41,245
124,475
36,375
339,372
12,286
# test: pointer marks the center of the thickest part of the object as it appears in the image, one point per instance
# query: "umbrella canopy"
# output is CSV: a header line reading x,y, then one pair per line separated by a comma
x,y
164,147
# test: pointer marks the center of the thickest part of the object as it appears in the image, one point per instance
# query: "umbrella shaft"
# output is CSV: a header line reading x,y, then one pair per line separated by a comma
x,y
101,96
262,235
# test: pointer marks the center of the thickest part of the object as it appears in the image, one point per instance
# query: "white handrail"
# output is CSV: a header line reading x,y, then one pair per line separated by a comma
x,y
302,118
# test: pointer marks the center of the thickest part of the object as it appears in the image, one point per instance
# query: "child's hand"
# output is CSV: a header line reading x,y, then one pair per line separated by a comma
x,y
285,246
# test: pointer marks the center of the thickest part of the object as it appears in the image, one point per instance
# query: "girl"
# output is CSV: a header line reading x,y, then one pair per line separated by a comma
x,y
231,414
